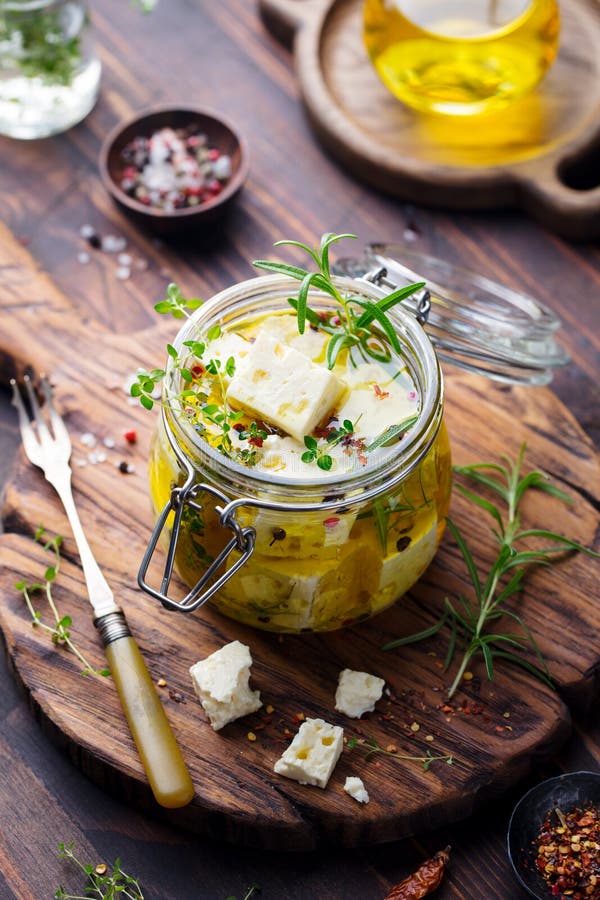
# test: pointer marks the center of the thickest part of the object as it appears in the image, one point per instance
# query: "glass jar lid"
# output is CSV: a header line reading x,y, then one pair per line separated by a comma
x,y
474,322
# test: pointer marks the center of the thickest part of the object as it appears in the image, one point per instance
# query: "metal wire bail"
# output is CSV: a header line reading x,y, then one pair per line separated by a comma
x,y
243,541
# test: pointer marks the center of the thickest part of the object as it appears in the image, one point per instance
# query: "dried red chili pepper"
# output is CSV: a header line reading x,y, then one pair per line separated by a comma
x,y
422,882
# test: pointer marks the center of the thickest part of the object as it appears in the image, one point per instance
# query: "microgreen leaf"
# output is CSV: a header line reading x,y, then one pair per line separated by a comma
x,y
58,631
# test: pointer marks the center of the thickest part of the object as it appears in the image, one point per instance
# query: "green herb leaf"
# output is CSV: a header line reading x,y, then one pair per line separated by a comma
x,y
479,623
392,433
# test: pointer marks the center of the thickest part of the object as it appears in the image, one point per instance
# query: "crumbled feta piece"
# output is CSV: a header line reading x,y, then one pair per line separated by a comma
x,y
357,692
313,754
221,683
284,387
355,787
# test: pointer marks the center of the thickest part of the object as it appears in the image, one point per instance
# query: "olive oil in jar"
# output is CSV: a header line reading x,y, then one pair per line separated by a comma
x,y
461,57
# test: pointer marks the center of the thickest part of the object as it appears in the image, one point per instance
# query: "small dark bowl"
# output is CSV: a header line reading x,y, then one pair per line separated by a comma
x,y
565,791
220,134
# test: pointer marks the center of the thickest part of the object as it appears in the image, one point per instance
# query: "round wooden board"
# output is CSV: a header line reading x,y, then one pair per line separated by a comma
x,y
540,154
495,732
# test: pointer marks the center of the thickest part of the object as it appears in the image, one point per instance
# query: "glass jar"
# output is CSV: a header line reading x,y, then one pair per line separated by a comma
x,y
462,57
49,74
298,553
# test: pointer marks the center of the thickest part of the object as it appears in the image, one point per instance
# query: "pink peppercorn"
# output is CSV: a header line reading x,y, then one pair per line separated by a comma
x,y
331,522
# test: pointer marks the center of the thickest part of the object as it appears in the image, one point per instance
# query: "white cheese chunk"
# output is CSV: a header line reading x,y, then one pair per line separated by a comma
x,y
355,787
284,387
221,683
357,693
313,754
285,329
400,570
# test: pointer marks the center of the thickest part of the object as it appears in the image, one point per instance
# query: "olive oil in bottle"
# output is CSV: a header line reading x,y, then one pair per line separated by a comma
x,y
461,57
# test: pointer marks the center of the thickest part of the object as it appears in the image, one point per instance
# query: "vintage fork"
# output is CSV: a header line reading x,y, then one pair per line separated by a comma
x,y
49,447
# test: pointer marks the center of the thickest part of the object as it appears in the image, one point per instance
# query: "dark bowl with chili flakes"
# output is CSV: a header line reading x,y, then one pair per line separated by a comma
x,y
537,837
174,170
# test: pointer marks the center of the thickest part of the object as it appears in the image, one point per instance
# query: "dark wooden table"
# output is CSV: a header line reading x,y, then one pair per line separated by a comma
x,y
219,55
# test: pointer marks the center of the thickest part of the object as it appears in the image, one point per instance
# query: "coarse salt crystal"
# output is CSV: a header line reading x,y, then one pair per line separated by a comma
x,y
109,442
83,258
124,259
222,168
86,231
113,244
123,273
88,439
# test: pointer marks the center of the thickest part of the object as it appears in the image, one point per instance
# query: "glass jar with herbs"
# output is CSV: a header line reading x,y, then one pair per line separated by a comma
x,y
305,463
49,73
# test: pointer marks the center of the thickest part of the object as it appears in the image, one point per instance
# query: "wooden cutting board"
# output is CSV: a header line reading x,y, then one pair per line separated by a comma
x,y
495,732
541,154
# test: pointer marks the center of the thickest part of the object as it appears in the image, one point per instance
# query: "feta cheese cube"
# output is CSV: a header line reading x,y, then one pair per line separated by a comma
x,y
284,387
357,692
313,754
221,683
355,787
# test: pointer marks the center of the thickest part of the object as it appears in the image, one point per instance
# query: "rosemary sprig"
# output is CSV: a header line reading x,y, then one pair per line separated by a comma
x,y
102,883
474,621
60,631
372,747
361,323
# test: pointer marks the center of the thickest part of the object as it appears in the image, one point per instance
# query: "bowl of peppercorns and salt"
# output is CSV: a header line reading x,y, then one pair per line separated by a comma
x,y
174,169
554,838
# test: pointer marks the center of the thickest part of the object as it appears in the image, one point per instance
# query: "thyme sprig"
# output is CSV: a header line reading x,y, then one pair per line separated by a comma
x,y
361,323
474,621
102,883
372,747
59,632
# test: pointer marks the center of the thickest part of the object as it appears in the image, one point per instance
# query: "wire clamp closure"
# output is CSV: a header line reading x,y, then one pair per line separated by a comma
x,y
210,582
379,276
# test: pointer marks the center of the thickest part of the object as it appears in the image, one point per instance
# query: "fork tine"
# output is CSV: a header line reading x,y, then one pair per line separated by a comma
x,y
30,442
58,426
17,402
34,405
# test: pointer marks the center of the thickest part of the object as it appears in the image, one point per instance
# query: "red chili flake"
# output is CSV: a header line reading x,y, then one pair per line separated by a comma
x,y
213,154
381,395
256,441
197,370
567,853
131,436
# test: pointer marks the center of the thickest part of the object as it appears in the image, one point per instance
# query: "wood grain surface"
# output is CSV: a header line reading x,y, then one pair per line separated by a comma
x,y
530,155
238,797
221,56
